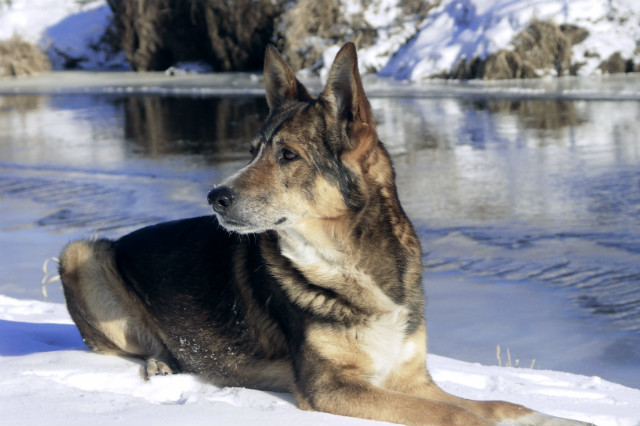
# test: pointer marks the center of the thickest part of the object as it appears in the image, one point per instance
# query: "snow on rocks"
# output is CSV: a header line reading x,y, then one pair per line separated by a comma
x,y
463,29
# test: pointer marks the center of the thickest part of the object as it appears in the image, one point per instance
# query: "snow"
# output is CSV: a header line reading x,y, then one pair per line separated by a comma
x,y
462,29
30,18
49,377
64,28
79,36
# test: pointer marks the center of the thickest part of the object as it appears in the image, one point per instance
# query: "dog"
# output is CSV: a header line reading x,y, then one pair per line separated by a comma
x,y
307,278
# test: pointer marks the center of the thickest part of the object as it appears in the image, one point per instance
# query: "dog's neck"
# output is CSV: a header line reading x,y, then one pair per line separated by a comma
x,y
360,254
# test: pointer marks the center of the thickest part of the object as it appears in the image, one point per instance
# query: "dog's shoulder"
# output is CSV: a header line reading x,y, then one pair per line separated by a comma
x,y
164,235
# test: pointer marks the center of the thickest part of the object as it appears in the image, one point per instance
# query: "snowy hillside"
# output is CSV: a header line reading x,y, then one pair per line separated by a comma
x,y
404,46
50,378
460,29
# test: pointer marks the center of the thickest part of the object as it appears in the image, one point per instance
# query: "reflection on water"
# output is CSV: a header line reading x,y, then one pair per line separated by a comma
x,y
20,104
541,116
537,191
215,127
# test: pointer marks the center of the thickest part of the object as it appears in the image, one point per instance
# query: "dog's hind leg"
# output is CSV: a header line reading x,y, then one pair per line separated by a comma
x,y
110,317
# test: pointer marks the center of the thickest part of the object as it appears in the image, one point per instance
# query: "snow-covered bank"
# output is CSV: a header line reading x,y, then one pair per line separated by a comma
x,y
50,378
404,45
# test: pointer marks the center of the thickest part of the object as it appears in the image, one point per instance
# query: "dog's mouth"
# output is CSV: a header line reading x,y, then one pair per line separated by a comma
x,y
232,224
246,227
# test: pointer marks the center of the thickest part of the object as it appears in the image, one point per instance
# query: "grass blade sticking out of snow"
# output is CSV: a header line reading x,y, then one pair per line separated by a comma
x,y
48,276
508,363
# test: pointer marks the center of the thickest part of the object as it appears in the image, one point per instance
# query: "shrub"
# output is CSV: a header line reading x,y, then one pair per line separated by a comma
x,y
18,57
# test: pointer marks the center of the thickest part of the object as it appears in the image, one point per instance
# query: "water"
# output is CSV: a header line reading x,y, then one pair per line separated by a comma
x,y
528,210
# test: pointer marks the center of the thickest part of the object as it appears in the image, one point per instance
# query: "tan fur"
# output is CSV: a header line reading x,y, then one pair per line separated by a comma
x,y
90,262
89,273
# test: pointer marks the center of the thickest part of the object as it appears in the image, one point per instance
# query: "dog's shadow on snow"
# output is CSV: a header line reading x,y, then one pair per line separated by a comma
x,y
24,338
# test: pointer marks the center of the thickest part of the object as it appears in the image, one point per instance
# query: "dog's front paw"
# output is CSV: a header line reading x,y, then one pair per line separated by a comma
x,y
154,367
539,419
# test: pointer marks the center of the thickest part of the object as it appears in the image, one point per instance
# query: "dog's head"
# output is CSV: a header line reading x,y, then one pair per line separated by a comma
x,y
313,158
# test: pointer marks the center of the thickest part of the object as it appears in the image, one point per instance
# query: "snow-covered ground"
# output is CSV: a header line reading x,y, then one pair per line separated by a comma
x,y
49,377
405,48
462,29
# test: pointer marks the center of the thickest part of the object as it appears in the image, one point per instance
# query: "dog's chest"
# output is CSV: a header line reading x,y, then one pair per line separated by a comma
x,y
383,339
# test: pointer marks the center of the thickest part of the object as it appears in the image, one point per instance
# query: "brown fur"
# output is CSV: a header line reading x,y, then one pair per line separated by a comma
x,y
324,299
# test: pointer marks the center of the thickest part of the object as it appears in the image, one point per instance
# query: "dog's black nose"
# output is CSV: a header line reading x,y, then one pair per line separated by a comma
x,y
220,198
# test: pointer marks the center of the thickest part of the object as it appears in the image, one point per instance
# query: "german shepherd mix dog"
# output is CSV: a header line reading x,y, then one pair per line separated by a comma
x,y
308,278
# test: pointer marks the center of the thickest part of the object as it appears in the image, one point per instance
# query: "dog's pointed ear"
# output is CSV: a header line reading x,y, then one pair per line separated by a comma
x,y
280,82
344,93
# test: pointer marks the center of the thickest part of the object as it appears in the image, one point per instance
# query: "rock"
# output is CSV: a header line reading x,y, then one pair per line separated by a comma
x,y
616,64
542,48
228,35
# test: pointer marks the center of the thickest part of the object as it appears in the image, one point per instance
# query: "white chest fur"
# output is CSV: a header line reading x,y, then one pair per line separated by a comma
x,y
384,340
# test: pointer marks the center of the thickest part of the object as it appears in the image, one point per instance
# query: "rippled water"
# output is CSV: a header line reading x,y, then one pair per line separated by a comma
x,y
544,191
541,197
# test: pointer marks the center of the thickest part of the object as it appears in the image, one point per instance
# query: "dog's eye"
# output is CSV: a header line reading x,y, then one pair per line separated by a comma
x,y
287,155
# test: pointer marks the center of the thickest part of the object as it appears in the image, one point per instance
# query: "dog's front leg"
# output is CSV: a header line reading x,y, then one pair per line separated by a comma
x,y
502,412
334,387
360,399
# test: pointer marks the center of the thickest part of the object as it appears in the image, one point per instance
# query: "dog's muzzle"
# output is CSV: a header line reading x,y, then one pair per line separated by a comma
x,y
220,198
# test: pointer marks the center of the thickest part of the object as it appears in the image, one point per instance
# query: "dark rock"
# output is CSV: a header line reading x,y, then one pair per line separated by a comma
x,y
616,64
228,35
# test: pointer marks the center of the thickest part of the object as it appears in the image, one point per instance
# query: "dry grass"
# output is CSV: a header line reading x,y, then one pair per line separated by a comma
x,y
508,362
616,64
307,27
542,48
49,276
18,57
